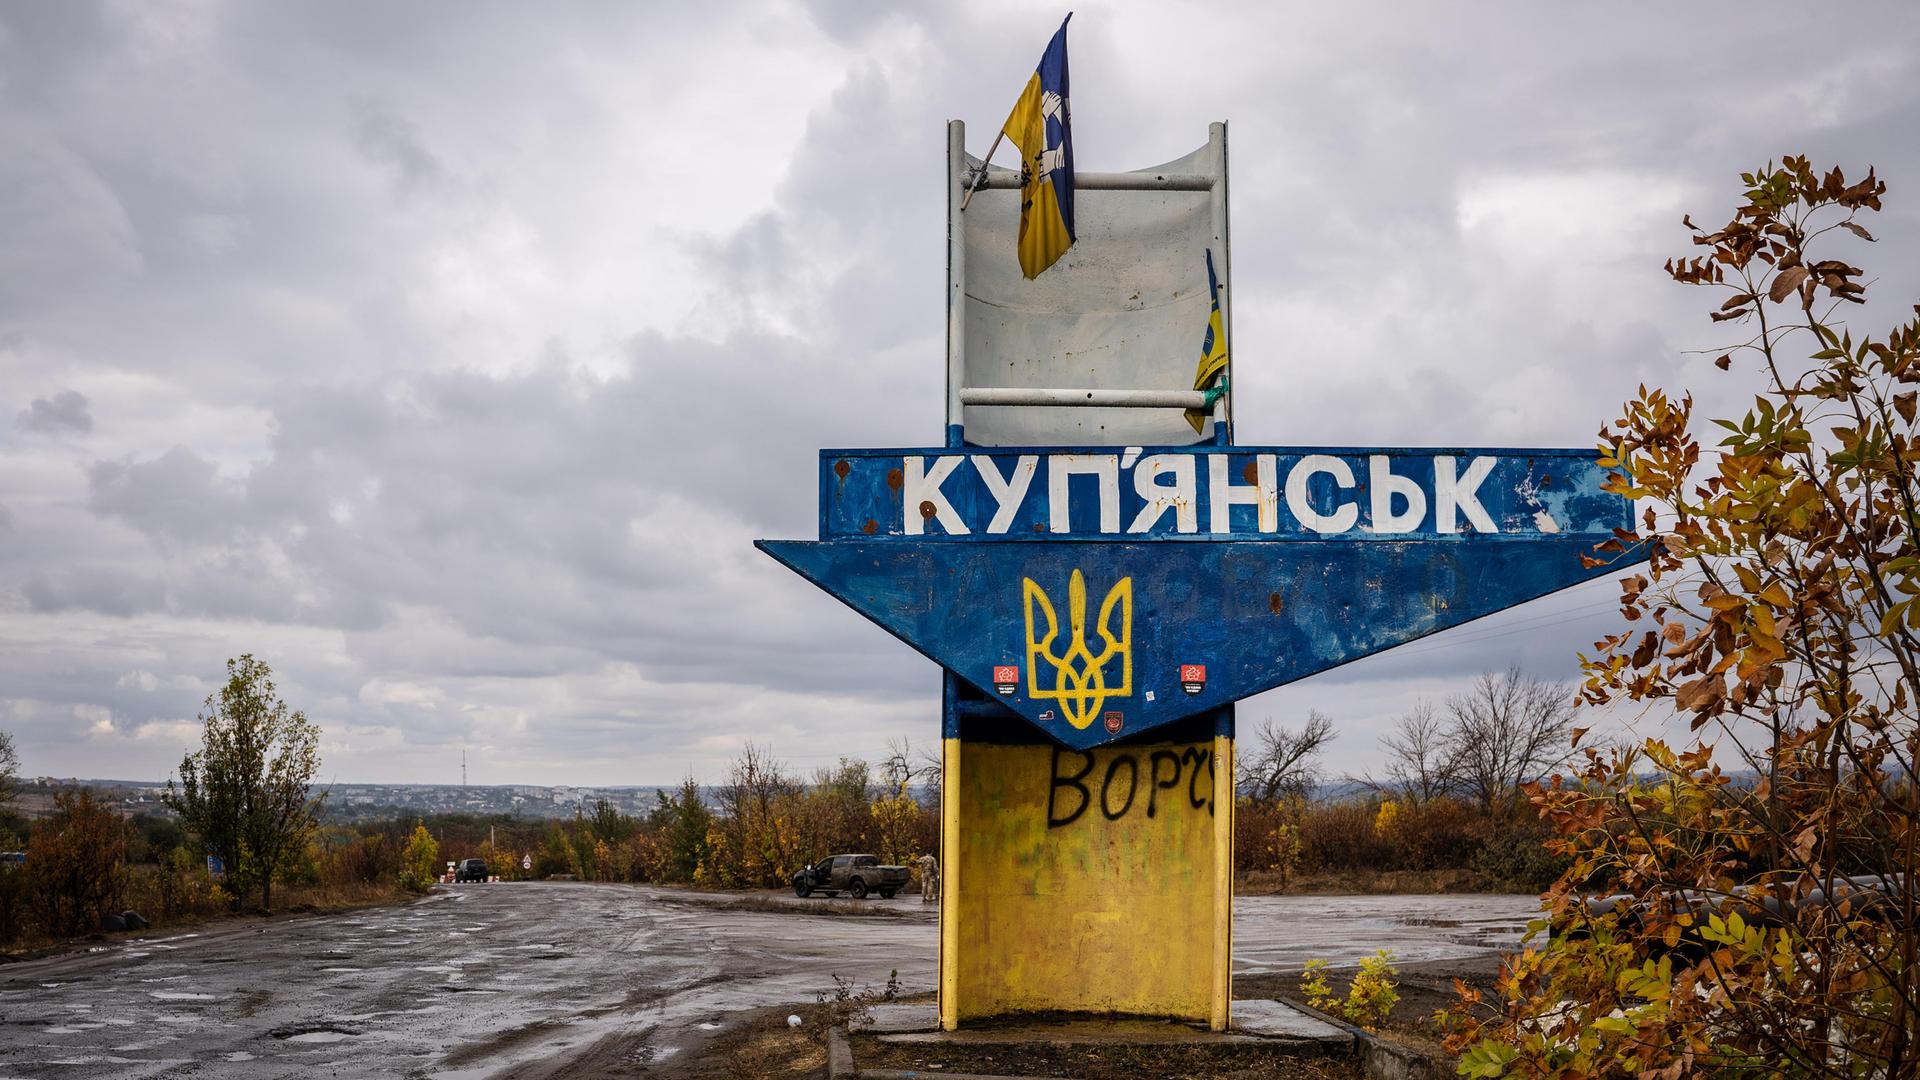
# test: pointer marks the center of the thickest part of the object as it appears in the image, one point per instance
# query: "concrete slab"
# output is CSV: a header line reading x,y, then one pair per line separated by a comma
x,y
1061,1035
1277,1019
898,1019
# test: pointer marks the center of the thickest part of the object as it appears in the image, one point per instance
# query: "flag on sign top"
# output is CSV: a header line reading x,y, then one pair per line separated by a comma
x,y
1213,349
1041,126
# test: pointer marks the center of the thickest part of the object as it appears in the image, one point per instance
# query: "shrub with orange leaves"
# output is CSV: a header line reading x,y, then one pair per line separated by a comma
x,y
1767,921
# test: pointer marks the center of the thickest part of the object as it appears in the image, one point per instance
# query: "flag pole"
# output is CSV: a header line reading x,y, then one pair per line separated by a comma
x,y
982,174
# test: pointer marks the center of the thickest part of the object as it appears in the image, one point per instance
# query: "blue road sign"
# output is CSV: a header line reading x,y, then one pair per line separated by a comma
x,y
1102,592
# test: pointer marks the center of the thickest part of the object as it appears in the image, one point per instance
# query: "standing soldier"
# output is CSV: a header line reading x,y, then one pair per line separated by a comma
x,y
929,879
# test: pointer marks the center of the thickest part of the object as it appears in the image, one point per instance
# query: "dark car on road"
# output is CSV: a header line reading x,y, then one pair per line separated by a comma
x,y
471,870
855,875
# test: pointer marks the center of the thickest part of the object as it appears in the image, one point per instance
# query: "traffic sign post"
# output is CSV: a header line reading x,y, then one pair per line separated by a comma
x,y
1098,608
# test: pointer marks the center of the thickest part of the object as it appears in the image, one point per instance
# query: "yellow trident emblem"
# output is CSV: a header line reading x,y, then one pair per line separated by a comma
x,y
1079,679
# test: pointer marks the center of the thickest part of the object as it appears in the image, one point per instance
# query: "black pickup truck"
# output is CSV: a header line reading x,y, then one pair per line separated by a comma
x,y
855,875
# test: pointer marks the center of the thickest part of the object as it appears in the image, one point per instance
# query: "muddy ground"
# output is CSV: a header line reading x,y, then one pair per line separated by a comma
x,y
572,979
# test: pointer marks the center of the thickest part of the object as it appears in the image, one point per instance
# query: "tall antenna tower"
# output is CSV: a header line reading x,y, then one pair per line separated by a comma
x,y
463,767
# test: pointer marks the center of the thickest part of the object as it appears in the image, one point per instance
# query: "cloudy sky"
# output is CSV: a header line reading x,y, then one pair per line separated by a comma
x,y
449,357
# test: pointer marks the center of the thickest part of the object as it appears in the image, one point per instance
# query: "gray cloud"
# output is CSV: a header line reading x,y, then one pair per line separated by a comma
x,y
391,140
451,359
64,411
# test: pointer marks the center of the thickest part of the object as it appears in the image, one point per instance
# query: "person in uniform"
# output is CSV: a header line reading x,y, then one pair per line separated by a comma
x,y
929,879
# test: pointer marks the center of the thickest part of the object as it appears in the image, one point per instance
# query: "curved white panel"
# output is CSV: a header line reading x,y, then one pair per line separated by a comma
x,y
1124,309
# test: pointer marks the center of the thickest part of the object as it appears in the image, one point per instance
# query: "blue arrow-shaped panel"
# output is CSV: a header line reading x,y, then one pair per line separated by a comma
x,y
1096,633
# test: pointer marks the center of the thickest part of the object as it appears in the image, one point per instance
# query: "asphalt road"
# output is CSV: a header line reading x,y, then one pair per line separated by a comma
x,y
496,980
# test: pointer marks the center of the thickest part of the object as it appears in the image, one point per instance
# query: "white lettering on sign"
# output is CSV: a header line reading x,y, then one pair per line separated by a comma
x,y
1302,474
1384,486
1181,496
1451,493
920,488
1135,492
1008,491
1223,494
1061,468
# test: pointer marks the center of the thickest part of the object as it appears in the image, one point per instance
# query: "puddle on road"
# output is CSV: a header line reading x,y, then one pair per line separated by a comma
x,y
320,1037
181,995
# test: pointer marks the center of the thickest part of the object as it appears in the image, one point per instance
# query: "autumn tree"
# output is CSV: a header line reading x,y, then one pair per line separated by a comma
x,y
1767,926
74,873
247,792
898,817
420,860
755,826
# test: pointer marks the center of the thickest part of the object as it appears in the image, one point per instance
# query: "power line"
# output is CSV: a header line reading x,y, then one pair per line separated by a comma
x,y
1541,621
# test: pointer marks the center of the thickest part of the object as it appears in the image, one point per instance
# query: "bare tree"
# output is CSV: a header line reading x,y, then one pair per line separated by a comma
x,y
1281,761
932,768
1508,729
901,767
1420,757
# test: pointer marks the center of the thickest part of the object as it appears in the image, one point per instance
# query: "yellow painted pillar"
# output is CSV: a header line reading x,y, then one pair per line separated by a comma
x,y
949,882
1222,882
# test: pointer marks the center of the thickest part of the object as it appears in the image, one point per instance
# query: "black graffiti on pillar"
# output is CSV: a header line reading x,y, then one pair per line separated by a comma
x,y
1120,784
1053,791
1133,781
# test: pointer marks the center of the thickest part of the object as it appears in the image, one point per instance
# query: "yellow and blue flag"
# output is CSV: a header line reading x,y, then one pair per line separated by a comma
x,y
1213,350
1041,127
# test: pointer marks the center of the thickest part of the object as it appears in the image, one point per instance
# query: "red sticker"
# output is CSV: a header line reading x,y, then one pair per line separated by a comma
x,y
1193,673
1006,673
1114,722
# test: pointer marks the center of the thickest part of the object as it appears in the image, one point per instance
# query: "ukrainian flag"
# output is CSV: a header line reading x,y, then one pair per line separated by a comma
x,y
1041,127
1213,349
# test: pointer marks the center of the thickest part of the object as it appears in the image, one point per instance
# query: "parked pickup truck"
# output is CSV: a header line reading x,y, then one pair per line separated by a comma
x,y
855,875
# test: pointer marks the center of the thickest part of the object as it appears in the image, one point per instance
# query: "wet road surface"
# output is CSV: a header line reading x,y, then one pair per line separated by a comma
x,y
479,981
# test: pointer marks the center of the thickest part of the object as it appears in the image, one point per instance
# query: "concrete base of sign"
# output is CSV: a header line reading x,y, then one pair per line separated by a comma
x,y
907,1028
894,1019
1280,1020
1252,1019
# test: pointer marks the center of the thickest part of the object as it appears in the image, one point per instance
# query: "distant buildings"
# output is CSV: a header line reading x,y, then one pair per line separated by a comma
x,y
359,802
